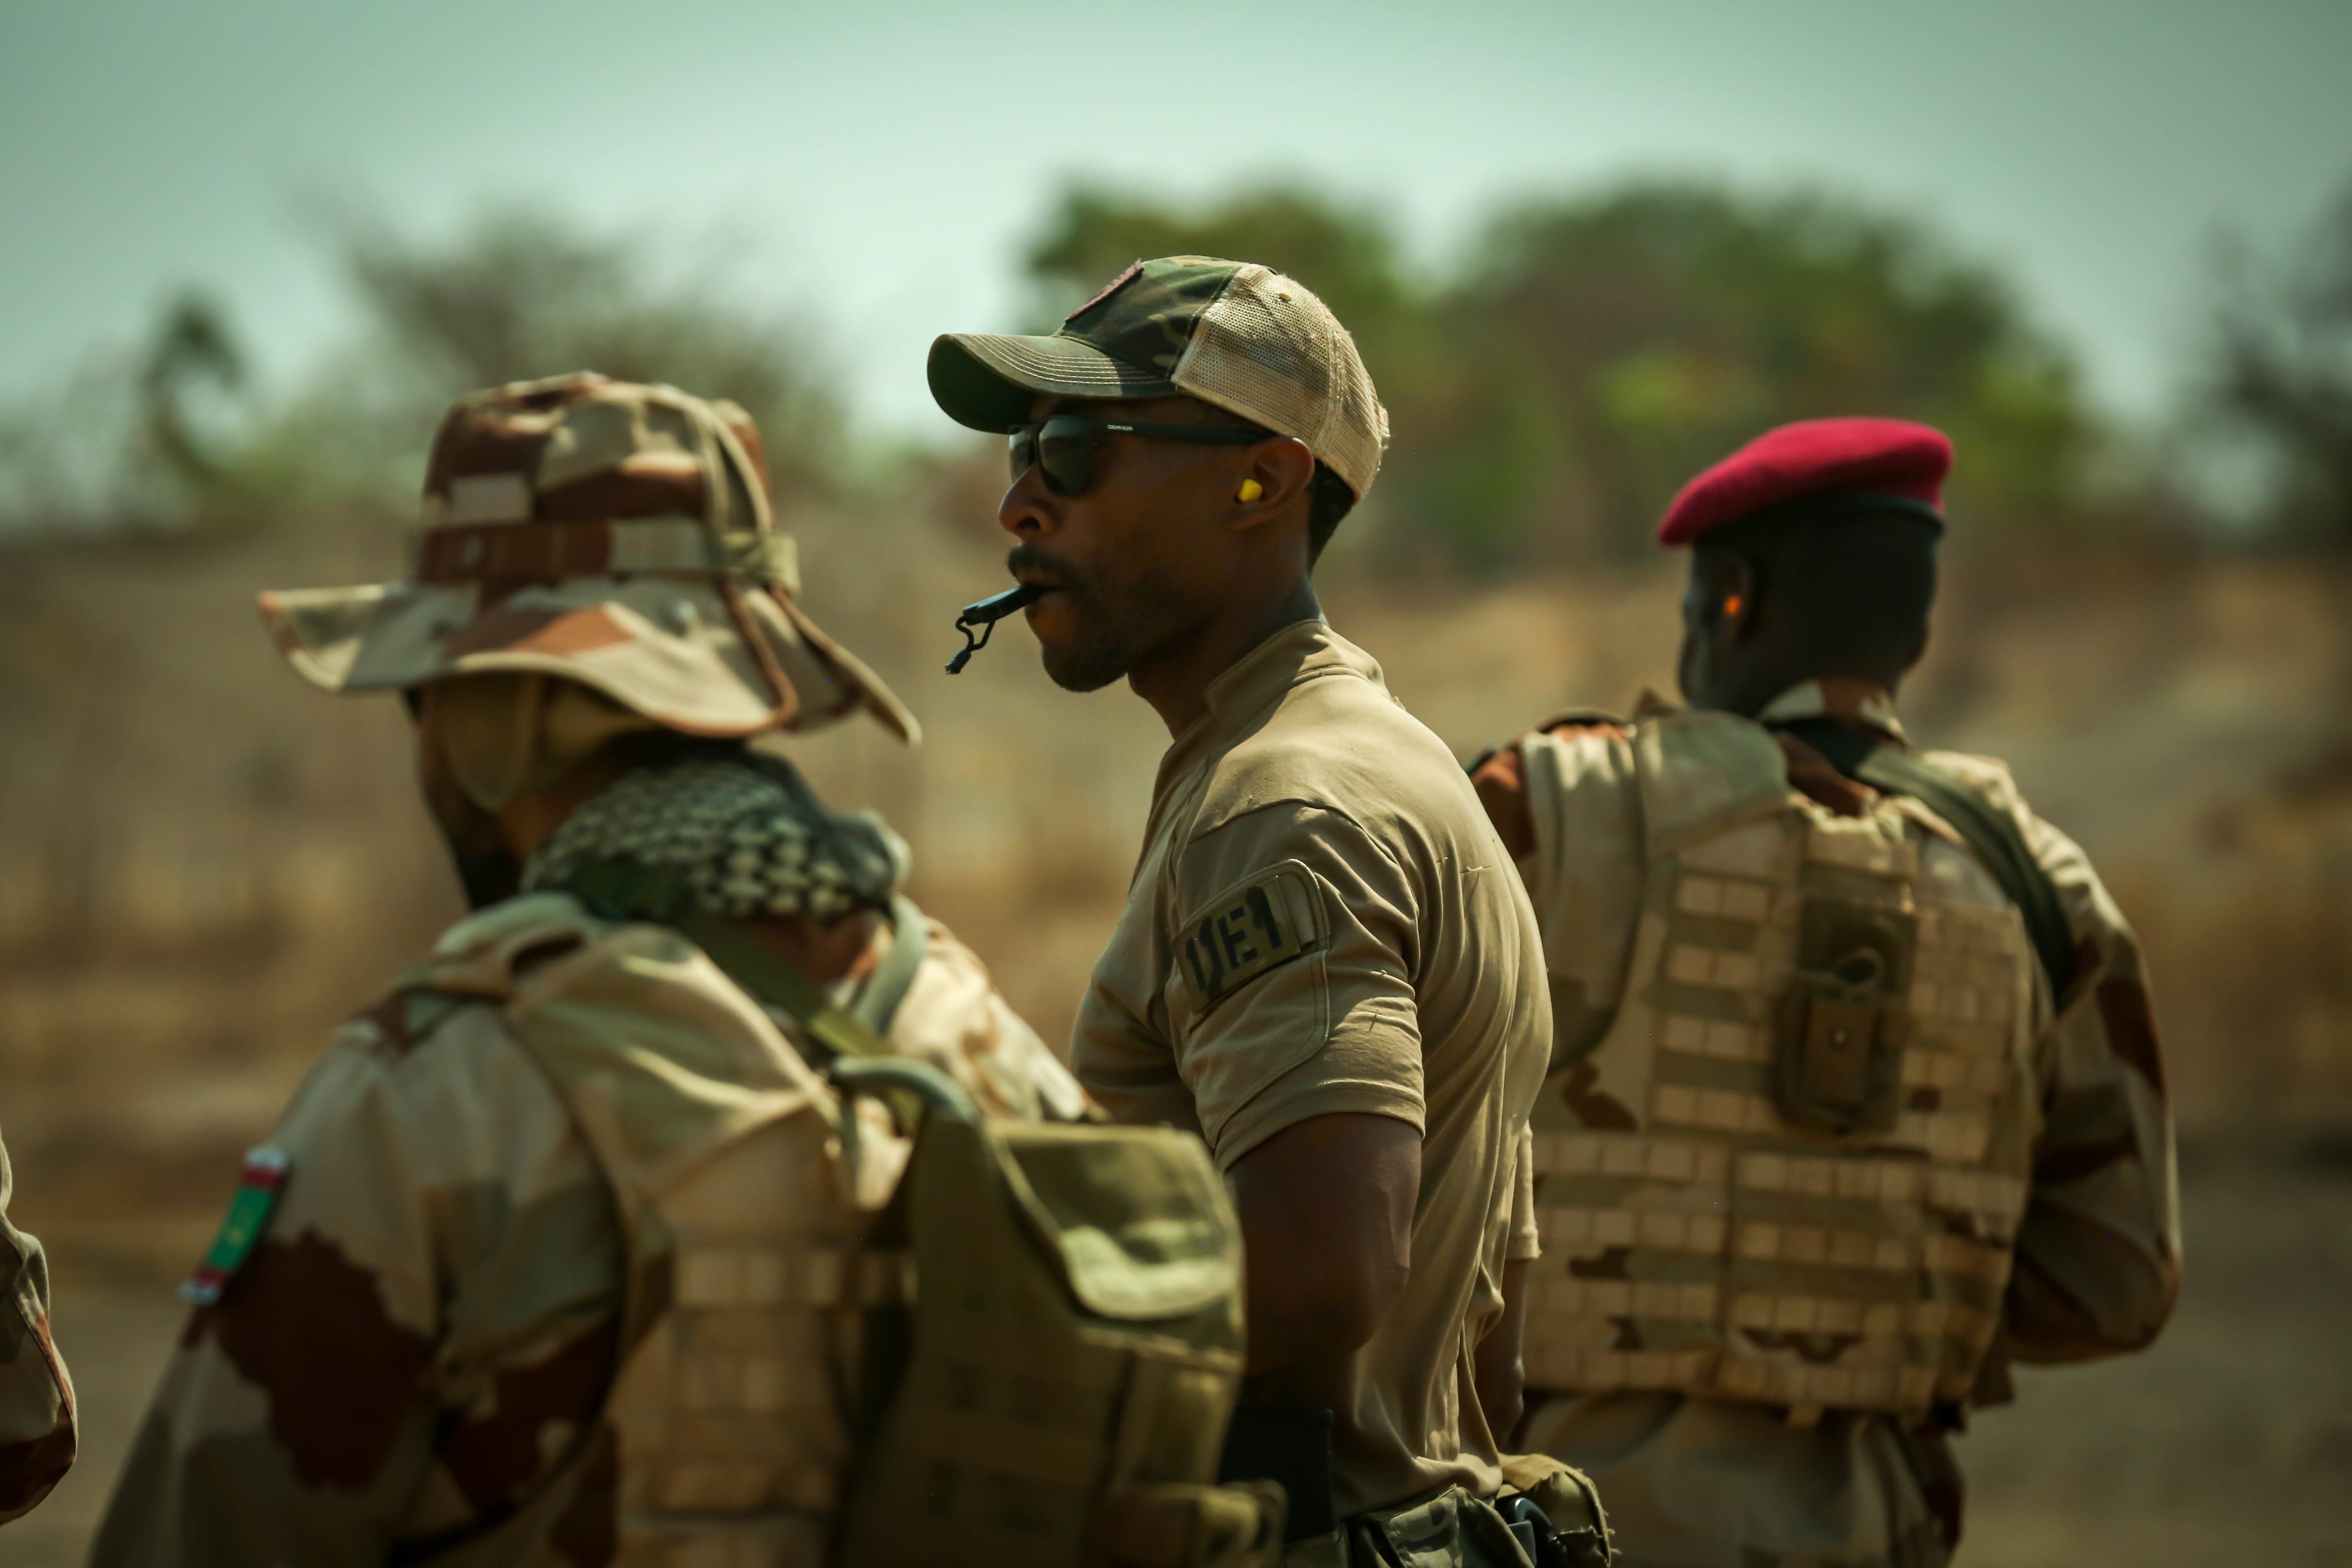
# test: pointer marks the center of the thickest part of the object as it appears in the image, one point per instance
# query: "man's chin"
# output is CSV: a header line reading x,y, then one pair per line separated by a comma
x,y
1080,674
1082,663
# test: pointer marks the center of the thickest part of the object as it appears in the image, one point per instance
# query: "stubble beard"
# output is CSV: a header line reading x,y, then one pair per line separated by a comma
x,y
1115,626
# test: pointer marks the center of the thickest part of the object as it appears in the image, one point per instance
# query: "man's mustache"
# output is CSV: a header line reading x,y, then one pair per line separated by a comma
x,y
1030,564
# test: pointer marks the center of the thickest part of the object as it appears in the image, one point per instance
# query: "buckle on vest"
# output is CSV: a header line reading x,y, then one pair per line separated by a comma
x,y
1840,1031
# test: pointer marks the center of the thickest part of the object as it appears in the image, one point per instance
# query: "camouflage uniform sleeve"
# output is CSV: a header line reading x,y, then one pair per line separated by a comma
x,y
426,1325
954,1018
1566,800
2098,1258
36,1400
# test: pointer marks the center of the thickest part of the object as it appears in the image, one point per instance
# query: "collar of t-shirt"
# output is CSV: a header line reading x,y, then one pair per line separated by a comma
x,y
1257,681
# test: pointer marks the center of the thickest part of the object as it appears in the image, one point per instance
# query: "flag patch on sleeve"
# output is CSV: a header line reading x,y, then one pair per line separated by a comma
x,y
258,1186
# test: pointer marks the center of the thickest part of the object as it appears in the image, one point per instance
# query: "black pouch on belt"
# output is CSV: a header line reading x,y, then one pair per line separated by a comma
x,y
1291,1446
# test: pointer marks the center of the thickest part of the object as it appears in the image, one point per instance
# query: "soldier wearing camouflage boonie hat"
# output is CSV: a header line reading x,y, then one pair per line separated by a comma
x,y
552,1256
615,535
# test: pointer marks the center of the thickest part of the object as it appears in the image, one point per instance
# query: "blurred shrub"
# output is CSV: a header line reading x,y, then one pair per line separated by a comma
x,y
136,440
2283,376
170,437
523,295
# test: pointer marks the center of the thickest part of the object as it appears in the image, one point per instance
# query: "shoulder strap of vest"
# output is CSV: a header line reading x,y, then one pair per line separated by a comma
x,y
1989,832
622,890
877,1004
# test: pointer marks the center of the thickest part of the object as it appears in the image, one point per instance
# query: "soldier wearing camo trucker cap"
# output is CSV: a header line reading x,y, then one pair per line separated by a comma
x,y
1320,969
553,1258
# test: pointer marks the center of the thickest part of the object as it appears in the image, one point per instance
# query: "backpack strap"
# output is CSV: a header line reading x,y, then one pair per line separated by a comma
x,y
877,1004
1993,833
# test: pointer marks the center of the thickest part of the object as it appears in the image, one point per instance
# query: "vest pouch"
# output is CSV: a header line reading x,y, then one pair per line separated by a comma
x,y
1072,1355
1570,1531
1840,1030
1451,1529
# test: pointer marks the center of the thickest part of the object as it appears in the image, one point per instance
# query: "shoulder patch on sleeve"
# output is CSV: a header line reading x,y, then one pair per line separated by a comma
x,y
259,1187
1247,930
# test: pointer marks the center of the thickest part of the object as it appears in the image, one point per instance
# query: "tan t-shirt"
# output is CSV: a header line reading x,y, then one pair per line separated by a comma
x,y
1323,921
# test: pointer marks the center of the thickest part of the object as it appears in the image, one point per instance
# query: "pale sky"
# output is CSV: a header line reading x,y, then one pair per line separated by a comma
x,y
888,157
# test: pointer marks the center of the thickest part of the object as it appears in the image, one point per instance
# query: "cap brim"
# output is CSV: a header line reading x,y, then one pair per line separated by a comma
x,y
988,380
673,651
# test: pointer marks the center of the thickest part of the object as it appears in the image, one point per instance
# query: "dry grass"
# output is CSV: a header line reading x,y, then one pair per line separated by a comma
x,y
203,863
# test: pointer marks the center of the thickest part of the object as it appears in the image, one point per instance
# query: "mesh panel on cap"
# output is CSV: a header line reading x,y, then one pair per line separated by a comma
x,y
1271,352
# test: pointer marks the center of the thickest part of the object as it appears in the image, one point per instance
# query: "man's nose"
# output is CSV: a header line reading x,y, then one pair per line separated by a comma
x,y
1026,509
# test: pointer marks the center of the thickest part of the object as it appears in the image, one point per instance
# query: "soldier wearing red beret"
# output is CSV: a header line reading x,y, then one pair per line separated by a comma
x,y
1854,1097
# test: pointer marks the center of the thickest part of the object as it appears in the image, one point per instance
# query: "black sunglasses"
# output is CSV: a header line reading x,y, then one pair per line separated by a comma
x,y
1063,447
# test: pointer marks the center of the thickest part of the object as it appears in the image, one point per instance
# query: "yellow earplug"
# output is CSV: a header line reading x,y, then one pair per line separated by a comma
x,y
1731,606
1251,490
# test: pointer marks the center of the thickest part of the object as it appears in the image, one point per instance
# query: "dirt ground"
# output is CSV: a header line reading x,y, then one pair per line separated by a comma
x,y
2229,1442
200,875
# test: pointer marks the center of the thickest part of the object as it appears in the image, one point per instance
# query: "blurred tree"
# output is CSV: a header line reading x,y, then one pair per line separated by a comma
x,y
147,439
1596,353
192,356
523,295
2284,376
1608,349
1346,255
171,435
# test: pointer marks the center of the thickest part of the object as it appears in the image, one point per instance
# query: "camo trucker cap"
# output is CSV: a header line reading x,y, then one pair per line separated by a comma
x,y
615,533
1232,333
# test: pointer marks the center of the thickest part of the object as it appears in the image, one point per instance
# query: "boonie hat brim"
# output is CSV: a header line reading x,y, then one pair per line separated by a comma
x,y
672,650
989,380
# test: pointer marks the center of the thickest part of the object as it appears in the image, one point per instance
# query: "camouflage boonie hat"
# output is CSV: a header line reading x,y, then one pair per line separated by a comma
x,y
612,534
1232,333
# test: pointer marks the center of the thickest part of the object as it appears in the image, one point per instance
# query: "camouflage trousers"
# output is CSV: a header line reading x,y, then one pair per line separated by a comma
x,y
1452,1529
1697,1483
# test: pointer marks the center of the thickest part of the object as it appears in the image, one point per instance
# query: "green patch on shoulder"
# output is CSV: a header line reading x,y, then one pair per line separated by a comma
x,y
258,1188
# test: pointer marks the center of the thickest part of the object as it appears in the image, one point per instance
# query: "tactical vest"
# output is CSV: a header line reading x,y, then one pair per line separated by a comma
x,y
1793,1169
778,1361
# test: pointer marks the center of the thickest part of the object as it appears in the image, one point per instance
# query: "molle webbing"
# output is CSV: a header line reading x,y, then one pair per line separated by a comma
x,y
1697,1238
1988,832
1074,1356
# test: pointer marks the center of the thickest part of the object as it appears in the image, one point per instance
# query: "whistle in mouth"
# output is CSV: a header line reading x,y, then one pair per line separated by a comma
x,y
982,617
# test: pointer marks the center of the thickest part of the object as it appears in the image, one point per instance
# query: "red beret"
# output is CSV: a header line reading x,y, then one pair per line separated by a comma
x,y
1813,457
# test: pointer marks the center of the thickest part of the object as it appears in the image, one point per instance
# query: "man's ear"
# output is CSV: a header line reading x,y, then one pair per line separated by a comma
x,y
1274,478
1735,606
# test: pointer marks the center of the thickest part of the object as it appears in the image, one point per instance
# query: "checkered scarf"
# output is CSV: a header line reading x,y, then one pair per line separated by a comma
x,y
745,831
